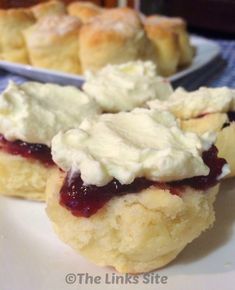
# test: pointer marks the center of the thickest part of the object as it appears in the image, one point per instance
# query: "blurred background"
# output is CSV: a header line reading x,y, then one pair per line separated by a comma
x,y
213,19
202,15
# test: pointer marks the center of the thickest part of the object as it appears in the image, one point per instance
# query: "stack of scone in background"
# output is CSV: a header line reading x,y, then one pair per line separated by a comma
x,y
91,37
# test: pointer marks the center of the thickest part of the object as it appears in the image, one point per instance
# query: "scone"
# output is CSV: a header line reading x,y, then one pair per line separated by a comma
x,y
52,43
133,189
30,115
116,36
12,45
49,8
85,11
171,41
125,87
206,110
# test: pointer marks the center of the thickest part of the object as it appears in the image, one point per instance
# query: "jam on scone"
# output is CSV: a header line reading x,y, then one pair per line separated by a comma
x,y
130,186
206,110
30,115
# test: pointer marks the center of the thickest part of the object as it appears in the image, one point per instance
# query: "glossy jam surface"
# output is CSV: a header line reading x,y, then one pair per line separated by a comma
x,y
38,152
215,164
83,200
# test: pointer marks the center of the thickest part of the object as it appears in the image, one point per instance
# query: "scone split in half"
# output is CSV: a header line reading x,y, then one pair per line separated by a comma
x,y
30,115
205,110
131,186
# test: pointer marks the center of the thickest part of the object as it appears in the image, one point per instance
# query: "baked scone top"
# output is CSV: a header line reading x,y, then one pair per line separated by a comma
x,y
49,8
186,105
122,20
85,11
53,26
126,86
35,113
165,22
124,146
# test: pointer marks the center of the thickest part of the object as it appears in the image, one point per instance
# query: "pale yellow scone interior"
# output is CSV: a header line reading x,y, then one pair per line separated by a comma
x,y
21,177
116,36
12,24
49,8
137,232
52,43
85,11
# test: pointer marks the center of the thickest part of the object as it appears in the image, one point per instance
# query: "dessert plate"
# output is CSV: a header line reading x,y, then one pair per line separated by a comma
x,y
207,51
32,256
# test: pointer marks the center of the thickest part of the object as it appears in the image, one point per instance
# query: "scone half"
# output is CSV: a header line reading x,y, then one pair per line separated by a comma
x,y
135,233
31,114
127,199
23,177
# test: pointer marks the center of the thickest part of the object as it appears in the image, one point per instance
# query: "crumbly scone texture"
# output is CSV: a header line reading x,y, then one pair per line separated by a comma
x,y
22,178
134,233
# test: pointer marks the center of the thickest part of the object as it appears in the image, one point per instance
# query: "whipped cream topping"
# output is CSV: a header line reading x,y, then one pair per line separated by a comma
x,y
35,113
186,105
126,86
127,145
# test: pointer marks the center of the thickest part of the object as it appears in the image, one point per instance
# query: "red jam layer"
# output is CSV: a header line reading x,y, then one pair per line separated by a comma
x,y
86,200
38,152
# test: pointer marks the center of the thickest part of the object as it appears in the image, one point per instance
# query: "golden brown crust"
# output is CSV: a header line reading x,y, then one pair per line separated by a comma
x,y
12,23
134,233
53,43
116,36
85,11
53,7
21,177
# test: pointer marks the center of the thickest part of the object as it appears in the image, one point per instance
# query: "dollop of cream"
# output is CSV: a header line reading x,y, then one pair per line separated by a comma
x,y
186,105
127,86
35,113
127,145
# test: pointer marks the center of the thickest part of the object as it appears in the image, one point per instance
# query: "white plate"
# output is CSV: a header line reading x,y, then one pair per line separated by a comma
x,y
206,52
31,256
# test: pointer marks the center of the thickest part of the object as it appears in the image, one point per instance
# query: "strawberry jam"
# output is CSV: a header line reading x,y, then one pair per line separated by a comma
x,y
38,152
86,200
